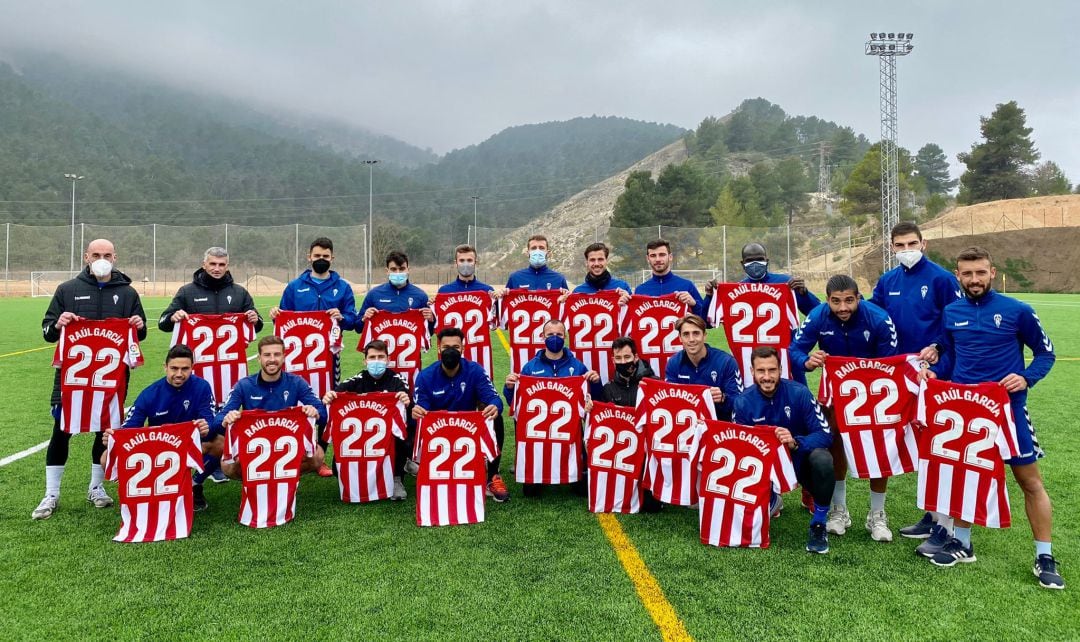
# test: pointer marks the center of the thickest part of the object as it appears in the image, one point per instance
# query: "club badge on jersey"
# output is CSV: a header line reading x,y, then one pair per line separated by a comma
x,y
153,468
269,446
93,358
312,339
547,419
452,449
969,433
754,315
874,402
615,444
523,314
362,428
219,343
650,322
593,321
406,337
473,313
668,413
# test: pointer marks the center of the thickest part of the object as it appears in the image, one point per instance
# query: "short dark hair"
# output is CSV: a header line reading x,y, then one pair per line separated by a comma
x,y
657,243
376,344
764,352
904,228
624,342
693,320
179,351
465,248
974,253
322,241
538,237
554,320
271,340
449,332
398,257
597,247
841,283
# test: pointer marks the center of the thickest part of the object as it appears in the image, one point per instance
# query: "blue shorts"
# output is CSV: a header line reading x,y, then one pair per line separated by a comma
x,y
1030,452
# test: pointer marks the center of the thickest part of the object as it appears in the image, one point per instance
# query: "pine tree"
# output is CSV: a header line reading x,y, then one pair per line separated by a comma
x,y
997,167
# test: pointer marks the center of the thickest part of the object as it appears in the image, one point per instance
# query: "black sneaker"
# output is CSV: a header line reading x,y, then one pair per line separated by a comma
x,y
198,500
818,541
939,537
921,529
1046,570
952,553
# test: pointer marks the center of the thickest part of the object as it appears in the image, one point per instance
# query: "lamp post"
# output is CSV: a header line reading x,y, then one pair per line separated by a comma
x,y
370,209
73,178
475,232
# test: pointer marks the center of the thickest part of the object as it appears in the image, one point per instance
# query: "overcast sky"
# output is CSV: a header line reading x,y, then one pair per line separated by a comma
x,y
449,74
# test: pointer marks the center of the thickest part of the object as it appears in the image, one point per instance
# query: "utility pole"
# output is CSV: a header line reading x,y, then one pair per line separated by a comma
x,y
73,178
370,218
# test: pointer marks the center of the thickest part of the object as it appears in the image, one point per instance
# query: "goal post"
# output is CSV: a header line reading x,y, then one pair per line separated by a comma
x,y
44,283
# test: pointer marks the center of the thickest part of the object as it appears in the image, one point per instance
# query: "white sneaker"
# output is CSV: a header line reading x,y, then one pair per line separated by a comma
x,y
838,520
98,497
399,490
877,522
411,467
45,509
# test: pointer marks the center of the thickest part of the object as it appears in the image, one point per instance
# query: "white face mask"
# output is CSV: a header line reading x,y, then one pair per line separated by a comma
x,y
908,258
101,268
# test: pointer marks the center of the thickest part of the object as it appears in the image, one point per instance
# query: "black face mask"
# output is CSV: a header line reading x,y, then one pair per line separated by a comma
x,y
320,266
626,370
450,358
598,282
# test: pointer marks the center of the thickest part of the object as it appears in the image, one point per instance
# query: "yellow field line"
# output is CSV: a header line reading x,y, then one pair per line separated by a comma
x,y
648,589
14,354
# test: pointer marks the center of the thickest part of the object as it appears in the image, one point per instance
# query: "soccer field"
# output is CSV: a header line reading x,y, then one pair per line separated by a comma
x,y
536,569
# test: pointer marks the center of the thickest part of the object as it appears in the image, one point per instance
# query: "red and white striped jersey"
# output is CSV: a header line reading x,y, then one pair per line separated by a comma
x,y
547,421
668,414
153,468
219,342
93,358
474,313
592,323
452,449
739,466
523,314
753,315
650,322
311,341
362,428
270,446
406,336
969,433
616,448
874,402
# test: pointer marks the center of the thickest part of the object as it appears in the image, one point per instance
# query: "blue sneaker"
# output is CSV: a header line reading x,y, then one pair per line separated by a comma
x,y
1046,570
939,537
818,541
952,553
776,504
219,477
921,529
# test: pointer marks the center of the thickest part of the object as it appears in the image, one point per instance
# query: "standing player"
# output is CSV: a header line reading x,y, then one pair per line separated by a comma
x,y
211,291
755,262
701,364
597,277
538,276
397,294
845,327
981,335
801,426
915,294
664,281
99,292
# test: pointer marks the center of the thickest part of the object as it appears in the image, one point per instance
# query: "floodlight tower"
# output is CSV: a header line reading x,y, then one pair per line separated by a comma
x,y
887,46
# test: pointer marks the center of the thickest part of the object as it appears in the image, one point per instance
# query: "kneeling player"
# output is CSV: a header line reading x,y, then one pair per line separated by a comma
x,y
801,426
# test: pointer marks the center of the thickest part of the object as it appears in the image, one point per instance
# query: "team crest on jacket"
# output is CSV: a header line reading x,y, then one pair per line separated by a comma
x,y
410,301
286,395
187,404
228,297
547,286
115,299
335,291
866,334
713,375
462,387
997,320
571,370
787,411
925,289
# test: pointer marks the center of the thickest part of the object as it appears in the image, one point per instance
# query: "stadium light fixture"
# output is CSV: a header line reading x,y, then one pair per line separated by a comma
x,y
74,178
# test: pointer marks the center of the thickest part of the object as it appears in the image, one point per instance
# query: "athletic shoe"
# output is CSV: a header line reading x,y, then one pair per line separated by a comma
x,y
838,520
818,541
939,537
412,467
219,477
808,501
198,500
953,552
496,489
877,522
399,490
45,509
921,529
98,497
776,505
324,471
1046,570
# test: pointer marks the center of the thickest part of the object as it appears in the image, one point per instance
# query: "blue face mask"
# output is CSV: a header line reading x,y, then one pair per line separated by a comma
x,y
756,269
376,368
538,258
398,279
554,343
